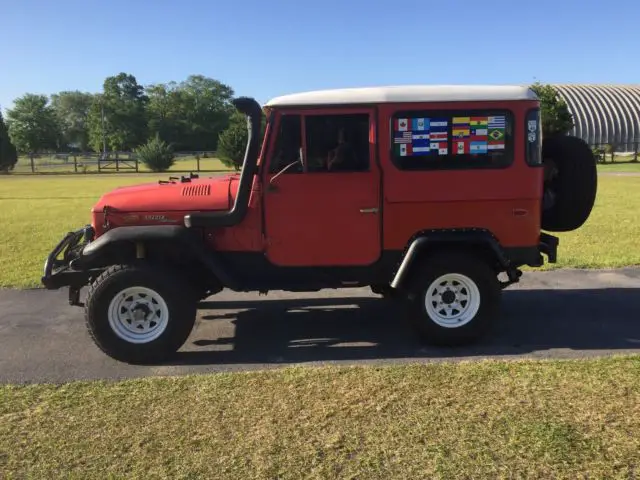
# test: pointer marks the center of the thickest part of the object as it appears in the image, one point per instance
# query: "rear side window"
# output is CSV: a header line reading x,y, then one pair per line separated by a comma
x,y
533,154
429,140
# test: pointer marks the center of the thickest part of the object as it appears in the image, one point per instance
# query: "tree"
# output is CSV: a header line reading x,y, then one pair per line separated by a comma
x,y
554,111
8,153
118,113
190,114
205,106
165,113
156,154
32,124
232,143
72,112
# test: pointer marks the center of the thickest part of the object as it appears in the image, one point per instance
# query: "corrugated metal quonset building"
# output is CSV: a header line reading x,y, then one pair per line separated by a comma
x,y
604,113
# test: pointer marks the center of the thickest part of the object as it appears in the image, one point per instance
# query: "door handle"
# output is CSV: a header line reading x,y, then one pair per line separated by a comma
x,y
369,210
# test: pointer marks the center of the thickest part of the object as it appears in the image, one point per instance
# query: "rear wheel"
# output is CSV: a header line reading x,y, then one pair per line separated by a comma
x,y
571,183
456,300
139,314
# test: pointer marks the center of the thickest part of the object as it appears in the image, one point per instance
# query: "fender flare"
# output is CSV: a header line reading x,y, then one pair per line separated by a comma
x,y
428,239
186,238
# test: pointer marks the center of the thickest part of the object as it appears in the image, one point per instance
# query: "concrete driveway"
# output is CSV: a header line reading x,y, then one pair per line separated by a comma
x,y
559,314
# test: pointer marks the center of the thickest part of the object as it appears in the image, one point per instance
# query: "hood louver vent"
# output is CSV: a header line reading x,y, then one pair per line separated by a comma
x,y
196,190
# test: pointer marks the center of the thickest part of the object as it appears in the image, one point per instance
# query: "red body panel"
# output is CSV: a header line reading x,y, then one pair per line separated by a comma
x,y
505,201
317,218
148,203
247,235
198,194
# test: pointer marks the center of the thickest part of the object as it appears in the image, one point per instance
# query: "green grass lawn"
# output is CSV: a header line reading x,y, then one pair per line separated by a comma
x,y
619,167
36,211
526,419
611,236
492,419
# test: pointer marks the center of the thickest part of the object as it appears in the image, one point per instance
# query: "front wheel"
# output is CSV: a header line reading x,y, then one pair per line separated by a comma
x,y
138,313
456,299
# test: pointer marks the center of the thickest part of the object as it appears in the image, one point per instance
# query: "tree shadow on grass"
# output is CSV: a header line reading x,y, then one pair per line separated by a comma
x,y
348,329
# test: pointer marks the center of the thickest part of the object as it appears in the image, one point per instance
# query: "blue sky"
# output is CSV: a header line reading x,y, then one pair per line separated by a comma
x,y
265,48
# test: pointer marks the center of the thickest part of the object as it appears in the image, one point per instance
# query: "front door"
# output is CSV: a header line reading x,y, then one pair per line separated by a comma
x,y
324,210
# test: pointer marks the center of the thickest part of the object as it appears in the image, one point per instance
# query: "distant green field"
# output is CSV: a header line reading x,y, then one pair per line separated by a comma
x,y
619,167
88,165
36,210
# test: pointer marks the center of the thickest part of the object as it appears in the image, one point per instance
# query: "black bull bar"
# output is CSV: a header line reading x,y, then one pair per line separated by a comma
x,y
59,272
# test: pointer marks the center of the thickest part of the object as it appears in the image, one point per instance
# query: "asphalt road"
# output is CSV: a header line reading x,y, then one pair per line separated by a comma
x,y
549,314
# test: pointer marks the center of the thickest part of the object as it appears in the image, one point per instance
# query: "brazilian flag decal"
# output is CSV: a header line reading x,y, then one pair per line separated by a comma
x,y
496,134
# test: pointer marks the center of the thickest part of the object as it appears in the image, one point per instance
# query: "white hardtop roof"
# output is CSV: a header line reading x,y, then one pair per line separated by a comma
x,y
406,94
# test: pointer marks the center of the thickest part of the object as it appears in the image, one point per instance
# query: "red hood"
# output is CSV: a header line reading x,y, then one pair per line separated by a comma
x,y
198,194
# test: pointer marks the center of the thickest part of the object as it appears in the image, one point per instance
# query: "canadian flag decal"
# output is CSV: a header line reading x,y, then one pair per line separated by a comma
x,y
402,125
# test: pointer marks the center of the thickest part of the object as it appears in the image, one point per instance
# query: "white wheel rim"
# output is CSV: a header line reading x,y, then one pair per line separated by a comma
x,y
452,300
138,315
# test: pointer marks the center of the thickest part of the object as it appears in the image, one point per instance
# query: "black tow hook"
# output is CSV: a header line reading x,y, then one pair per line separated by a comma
x,y
74,297
513,276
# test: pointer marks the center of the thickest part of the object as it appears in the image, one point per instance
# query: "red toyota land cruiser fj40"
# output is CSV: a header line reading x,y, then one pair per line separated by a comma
x,y
430,194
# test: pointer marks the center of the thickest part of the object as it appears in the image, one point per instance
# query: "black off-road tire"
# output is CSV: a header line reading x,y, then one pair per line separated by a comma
x,y
479,275
180,301
574,182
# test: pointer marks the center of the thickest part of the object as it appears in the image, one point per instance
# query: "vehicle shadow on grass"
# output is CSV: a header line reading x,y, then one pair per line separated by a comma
x,y
343,329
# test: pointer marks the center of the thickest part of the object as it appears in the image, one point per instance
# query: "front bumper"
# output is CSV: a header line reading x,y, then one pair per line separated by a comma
x,y
59,268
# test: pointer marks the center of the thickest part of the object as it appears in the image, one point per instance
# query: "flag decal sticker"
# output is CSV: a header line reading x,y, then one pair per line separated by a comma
x,y
496,134
479,135
456,135
420,136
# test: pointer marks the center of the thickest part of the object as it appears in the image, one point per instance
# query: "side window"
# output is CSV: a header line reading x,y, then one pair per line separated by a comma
x,y
452,140
337,143
288,144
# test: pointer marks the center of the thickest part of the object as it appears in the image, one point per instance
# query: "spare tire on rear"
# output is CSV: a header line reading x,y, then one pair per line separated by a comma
x,y
571,183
